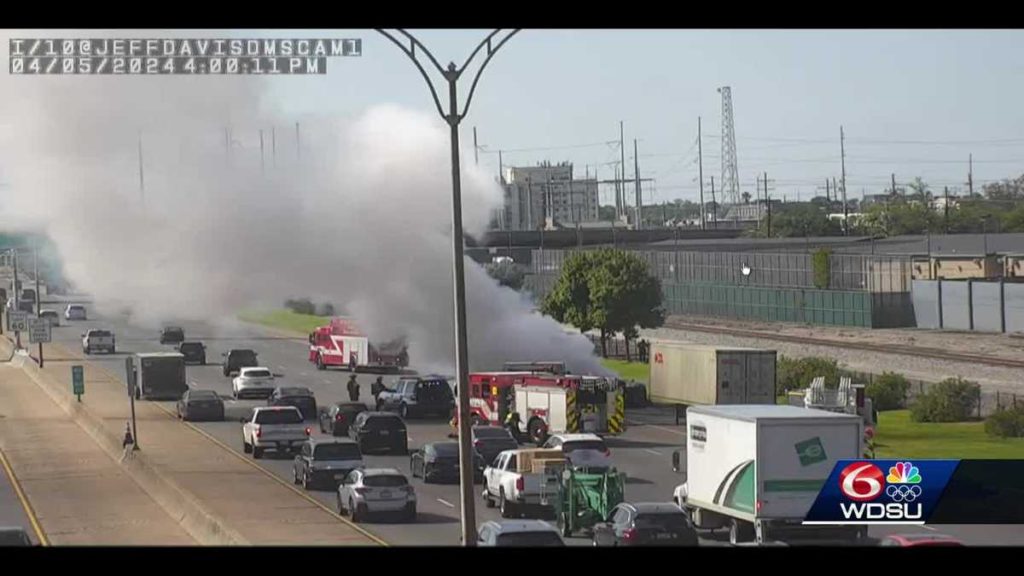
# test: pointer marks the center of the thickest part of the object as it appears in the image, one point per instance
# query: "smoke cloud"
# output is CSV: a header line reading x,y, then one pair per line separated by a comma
x,y
361,216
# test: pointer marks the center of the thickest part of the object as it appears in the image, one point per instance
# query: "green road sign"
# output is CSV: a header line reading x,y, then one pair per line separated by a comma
x,y
77,380
810,451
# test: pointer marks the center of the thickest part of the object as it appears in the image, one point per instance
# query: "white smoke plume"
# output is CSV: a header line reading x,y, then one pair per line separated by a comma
x,y
362,218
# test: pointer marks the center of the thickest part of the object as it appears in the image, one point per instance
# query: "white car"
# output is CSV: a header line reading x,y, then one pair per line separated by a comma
x,y
374,490
74,312
583,451
518,533
255,381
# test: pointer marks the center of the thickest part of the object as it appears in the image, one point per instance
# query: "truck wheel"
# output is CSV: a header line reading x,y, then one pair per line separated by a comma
x,y
504,505
740,531
403,411
537,432
354,511
488,501
320,362
113,350
246,447
87,350
257,452
295,476
305,481
563,525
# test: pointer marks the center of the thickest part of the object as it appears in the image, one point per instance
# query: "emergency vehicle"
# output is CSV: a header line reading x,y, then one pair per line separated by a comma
x,y
342,344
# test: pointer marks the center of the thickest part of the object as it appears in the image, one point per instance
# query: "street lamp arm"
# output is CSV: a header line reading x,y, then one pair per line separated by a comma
x,y
411,53
490,54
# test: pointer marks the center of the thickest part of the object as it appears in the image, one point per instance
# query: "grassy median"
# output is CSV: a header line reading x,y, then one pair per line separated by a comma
x,y
638,371
898,436
285,320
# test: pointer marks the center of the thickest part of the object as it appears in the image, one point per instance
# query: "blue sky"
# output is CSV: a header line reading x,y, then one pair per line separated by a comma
x,y
913,102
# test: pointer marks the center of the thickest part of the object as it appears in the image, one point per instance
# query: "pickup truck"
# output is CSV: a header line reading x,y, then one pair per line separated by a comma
x,y
278,428
523,479
98,340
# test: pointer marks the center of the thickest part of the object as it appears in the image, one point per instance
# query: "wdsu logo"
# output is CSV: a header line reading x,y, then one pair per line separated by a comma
x,y
900,492
881,492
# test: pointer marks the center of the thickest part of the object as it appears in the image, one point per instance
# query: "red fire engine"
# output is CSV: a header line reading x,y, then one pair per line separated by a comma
x,y
342,344
490,397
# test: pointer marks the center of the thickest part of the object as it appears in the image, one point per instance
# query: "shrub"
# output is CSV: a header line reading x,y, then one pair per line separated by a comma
x,y
952,400
507,274
300,306
797,373
888,391
822,268
1006,423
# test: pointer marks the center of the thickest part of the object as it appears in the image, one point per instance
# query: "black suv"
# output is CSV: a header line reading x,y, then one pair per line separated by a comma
x,y
301,398
193,352
380,430
417,396
238,358
172,335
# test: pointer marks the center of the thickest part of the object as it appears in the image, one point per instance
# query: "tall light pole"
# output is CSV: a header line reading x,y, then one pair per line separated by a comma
x,y
453,118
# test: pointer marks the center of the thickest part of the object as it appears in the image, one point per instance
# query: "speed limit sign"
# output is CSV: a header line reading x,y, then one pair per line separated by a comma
x,y
17,321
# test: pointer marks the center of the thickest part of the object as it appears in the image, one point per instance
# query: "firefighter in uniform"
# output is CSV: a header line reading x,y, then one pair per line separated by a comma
x,y
377,387
512,423
353,388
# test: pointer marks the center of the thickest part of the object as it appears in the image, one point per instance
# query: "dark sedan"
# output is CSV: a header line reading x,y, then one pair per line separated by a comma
x,y
489,441
380,431
439,462
301,398
649,524
172,335
193,352
336,418
196,405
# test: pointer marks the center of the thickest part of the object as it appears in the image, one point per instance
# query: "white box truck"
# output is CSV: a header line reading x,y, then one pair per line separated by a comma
x,y
695,374
757,469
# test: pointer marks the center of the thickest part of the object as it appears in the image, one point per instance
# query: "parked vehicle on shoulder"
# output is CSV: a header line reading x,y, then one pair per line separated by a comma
x,y
98,340
277,428
75,312
238,358
194,352
519,533
301,398
376,490
336,418
196,405
380,431
253,382
646,524
325,462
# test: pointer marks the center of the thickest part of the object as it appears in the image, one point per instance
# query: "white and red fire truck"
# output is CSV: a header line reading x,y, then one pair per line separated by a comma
x,y
341,343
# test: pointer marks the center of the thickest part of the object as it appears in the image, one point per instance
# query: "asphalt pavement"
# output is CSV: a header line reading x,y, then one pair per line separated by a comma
x,y
643,452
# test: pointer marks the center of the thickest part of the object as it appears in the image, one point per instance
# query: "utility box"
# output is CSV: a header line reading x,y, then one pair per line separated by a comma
x,y
694,374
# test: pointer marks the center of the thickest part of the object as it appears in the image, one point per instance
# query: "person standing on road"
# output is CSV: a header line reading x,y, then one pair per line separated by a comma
x,y
353,360
128,443
377,387
353,388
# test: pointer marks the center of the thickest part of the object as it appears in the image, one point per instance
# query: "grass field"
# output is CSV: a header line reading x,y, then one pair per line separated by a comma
x,y
899,436
638,371
285,320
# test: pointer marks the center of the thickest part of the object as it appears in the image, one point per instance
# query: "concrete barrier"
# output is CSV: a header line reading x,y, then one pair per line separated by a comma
x,y
202,525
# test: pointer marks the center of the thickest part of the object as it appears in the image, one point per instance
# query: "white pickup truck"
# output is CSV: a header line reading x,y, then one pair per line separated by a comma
x,y
273,428
98,340
523,479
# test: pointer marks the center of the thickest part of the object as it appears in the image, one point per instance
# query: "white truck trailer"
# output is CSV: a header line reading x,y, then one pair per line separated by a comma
x,y
757,469
696,374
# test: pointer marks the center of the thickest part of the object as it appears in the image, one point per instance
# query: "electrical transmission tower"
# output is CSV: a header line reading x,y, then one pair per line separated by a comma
x,y
730,173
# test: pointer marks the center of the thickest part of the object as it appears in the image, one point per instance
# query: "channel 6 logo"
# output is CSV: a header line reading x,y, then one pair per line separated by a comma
x,y
881,491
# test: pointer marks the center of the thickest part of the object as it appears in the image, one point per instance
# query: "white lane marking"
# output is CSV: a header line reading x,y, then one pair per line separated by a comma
x,y
303,373
326,381
192,383
279,367
446,503
650,451
926,527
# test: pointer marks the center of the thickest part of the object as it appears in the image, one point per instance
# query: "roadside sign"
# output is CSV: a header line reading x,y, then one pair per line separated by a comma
x,y
17,321
77,381
129,375
39,330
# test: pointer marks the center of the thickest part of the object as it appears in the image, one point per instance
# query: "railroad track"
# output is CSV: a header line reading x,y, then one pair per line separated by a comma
x,y
917,351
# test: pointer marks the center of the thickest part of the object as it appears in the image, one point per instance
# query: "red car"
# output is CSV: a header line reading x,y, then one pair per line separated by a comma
x,y
915,540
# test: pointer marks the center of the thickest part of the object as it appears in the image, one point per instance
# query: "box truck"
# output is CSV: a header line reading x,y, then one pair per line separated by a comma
x,y
757,469
159,375
694,374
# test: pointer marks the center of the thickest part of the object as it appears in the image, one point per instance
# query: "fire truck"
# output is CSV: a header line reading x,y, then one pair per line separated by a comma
x,y
342,344
547,403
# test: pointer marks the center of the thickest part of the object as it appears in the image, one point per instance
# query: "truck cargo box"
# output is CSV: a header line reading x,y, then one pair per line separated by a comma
x,y
695,374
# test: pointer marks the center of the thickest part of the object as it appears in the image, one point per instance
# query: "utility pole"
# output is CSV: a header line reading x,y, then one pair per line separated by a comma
x,y
620,200
945,210
842,152
639,193
714,213
828,197
700,174
768,204
476,149
970,175
142,181
17,298
262,170
39,304
894,184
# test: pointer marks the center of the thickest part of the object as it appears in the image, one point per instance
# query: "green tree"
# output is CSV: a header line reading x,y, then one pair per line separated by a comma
x,y
919,191
1006,190
611,290
1013,220
888,391
898,217
802,220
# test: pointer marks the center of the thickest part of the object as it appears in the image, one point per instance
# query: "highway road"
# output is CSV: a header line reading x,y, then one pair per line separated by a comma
x,y
643,452
12,508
